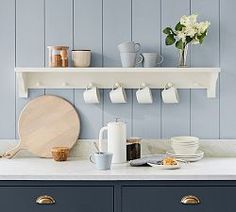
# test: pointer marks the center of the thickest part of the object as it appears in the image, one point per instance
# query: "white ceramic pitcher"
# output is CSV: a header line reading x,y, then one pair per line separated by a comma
x,y
116,140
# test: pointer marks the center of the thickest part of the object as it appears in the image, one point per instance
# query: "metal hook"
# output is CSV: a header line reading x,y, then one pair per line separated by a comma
x,y
90,85
143,85
116,85
168,85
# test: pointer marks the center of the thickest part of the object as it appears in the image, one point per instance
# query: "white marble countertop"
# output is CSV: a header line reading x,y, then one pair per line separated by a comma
x,y
74,169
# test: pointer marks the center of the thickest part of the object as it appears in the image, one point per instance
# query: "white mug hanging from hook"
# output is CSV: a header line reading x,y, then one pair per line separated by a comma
x,y
91,94
118,94
170,94
144,94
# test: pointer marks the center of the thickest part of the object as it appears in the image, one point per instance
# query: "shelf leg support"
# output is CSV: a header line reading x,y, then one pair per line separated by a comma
x,y
211,90
22,88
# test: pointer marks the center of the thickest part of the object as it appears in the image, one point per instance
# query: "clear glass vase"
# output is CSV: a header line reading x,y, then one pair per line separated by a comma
x,y
183,56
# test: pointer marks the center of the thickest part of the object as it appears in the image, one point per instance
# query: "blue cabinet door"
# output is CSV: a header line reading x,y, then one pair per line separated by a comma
x,y
168,199
67,199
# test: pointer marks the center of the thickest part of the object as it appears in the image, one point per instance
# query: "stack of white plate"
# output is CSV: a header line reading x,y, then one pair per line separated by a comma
x,y
185,144
187,157
186,147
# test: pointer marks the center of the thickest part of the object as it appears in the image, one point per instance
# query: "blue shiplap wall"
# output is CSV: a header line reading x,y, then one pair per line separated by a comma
x,y
28,26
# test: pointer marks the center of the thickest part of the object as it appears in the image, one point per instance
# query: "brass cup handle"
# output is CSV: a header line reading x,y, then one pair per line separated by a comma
x,y
45,200
190,200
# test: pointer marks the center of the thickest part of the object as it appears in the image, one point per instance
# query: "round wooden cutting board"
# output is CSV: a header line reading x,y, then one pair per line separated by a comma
x,y
44,123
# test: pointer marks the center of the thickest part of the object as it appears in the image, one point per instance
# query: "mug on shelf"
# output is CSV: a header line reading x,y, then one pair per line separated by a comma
x,y
117,94
152,59
129,47
130,59
170,94
144,95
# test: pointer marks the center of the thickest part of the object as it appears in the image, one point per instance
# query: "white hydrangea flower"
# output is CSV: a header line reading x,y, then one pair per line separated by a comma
x,y
184,20
181,35
188,21
193,19
202,27
191,31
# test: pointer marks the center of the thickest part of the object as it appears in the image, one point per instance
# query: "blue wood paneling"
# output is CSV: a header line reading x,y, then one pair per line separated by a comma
x,y
146,30
7,80
228,64
29,43
59,31
91,115
116,29
175,118
204,111
101,25
88,35
88,28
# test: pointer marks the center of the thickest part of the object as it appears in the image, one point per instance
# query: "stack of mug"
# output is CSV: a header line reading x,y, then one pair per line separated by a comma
x,y
130,57
129,54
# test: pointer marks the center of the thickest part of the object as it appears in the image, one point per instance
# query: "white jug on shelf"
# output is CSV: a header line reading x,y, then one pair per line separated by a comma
x,y
116,140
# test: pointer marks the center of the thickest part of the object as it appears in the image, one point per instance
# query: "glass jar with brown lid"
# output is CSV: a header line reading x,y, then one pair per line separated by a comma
x,y
133,148
58,56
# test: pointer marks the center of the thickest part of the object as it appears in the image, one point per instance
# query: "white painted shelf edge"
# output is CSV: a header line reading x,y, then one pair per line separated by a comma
x,y
105,77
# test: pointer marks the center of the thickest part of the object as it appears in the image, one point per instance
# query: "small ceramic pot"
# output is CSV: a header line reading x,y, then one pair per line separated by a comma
x,y
81,58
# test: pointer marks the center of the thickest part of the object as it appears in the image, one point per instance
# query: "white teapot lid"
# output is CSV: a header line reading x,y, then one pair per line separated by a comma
x,y
117,121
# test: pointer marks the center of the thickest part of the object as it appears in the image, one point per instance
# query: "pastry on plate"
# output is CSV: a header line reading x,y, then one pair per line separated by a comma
x,y
169,161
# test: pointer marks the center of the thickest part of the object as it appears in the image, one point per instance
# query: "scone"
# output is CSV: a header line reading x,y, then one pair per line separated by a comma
x,y
169,161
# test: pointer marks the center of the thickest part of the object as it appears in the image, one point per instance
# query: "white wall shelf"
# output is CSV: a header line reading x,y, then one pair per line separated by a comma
x,y
103,77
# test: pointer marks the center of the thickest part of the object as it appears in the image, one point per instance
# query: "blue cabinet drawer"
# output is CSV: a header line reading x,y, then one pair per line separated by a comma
x,y
67,199
168,199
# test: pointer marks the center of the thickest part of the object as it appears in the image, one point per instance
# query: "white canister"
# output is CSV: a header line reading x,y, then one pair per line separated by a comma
x,y
81,58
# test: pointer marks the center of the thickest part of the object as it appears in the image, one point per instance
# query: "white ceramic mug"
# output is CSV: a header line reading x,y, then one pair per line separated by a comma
x,y
144,95
130,59
129,47
170,94
81,58
91,95
152,59
102,160
118,95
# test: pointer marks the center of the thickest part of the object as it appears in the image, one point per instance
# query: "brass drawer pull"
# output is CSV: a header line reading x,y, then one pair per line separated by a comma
x,y
45,200
190,200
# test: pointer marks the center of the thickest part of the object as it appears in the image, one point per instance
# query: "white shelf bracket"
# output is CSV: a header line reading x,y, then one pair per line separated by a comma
x,y
22,88
211,90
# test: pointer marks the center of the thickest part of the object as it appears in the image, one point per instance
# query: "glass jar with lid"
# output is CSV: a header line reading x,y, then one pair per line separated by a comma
x,y
133,148
58,56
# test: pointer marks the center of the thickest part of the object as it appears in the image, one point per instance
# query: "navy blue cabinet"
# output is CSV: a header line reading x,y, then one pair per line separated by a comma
x,y
118,196
56,199
168,199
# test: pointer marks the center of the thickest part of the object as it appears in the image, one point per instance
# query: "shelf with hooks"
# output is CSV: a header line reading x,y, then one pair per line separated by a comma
x,y
104,77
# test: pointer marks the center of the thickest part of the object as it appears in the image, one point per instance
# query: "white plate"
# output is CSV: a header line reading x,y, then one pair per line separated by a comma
x,y
185,139
176,144
168,167
197,154
188,157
